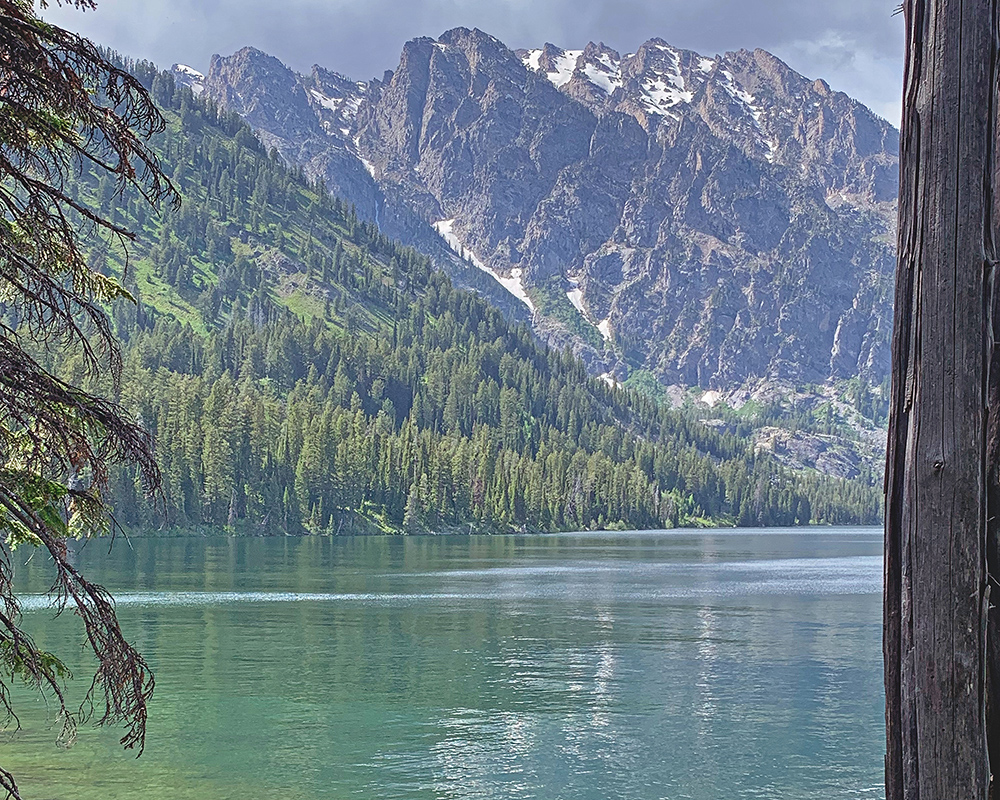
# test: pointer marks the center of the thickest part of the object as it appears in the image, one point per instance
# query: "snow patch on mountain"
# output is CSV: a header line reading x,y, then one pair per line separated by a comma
x,y
658,97
606,74
665,86
564,65
575,295
327,102
729,84
351,106
533,60
346,106
514,284
189,71
755,111
364,162
190,77
711,399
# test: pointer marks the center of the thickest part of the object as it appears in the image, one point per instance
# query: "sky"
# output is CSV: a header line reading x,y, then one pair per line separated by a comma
x,y
856,45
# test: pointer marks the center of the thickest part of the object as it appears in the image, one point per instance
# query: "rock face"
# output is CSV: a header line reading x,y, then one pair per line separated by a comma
x,y
713,220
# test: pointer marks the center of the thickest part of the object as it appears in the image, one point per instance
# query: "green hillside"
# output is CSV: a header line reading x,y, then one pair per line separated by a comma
x,y
302,373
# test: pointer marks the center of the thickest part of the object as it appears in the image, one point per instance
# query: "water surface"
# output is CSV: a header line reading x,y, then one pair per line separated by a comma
x,y
703,665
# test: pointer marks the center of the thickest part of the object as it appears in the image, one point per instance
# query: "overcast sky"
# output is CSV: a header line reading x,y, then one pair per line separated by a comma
x,y
856,45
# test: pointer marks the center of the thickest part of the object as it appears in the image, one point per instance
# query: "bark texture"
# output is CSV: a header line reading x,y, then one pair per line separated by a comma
x,y
940,477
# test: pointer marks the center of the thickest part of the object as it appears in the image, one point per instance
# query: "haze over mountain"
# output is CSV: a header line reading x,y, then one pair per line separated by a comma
x,y
718,221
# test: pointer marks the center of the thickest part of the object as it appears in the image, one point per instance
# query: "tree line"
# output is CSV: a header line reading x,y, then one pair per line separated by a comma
x,y
301,372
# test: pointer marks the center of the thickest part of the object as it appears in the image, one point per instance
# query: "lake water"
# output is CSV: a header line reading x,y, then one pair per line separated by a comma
x,y
705,665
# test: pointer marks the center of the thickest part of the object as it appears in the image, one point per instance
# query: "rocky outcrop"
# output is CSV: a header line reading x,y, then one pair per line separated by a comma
x,y
716,220
312,120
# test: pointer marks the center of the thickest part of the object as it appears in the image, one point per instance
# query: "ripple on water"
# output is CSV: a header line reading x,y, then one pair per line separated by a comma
x,y
662,581
590,667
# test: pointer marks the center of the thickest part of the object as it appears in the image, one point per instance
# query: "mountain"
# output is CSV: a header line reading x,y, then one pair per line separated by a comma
x,y
302,372
309,120
716,222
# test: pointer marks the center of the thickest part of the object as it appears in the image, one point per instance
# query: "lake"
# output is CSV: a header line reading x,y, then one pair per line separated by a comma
x,y
684,664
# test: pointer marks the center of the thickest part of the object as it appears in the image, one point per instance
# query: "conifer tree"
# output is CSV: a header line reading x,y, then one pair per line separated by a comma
x,y
64,107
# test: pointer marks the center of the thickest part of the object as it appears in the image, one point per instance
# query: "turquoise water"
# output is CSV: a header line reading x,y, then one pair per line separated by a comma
x,y
705,665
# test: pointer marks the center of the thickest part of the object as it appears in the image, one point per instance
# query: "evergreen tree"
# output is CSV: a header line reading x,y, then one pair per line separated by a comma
x,y
65,105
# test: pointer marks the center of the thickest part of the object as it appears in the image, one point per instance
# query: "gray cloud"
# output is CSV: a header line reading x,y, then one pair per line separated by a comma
x,y
856,45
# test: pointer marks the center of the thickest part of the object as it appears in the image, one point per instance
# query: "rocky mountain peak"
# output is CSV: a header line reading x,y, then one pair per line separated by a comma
x,y
335,99
263,91
716,220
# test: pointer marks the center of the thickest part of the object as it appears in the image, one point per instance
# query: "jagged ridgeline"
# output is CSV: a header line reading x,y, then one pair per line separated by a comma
x,y
720,221
302,372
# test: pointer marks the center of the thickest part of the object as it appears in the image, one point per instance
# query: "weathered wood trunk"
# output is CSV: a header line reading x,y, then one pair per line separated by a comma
x,y
940,501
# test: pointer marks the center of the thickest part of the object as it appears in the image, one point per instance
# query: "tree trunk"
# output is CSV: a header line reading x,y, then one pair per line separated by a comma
x,y
938,476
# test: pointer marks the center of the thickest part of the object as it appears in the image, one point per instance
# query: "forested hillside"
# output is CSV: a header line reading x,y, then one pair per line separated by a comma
x,y
301,372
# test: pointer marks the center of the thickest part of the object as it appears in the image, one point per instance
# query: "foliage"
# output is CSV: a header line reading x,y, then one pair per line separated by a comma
x,y
301,372
551,301
64,108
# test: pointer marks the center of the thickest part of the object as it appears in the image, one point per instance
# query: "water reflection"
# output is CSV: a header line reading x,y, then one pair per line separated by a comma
x,y
605,677
590,667
707,674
